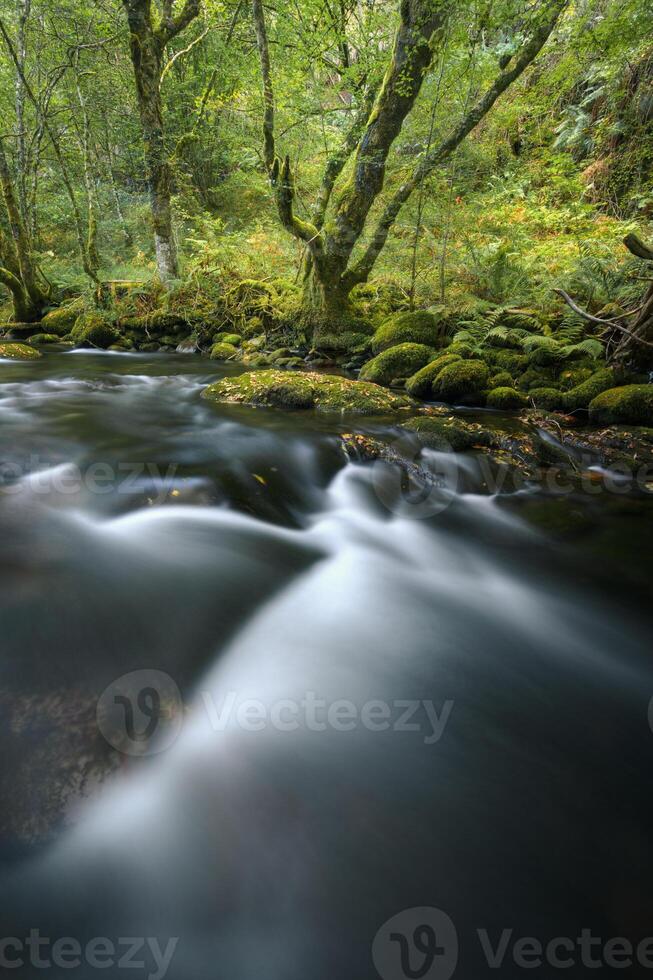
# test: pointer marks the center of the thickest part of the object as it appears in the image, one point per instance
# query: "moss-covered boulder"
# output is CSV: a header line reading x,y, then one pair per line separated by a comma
x,y
536,377
581,396
228,338
572,377
630,405
548,398
38,339
420,385
397,362
420,327
19,352
462,383
501,380
506,360
224,352
62,320
506,398
445,435
94,330
304,390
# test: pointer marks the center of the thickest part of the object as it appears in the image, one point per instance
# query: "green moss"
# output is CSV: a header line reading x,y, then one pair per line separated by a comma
x,y
420,327
401,361
506,360
93,329
62,320
501,380
549,398
228,338
632,405
223,352
581,396
444,435
535,378
280,354
347,342
421,383
462,383
19,352
576,376
303,390
44,338
463,351
506,398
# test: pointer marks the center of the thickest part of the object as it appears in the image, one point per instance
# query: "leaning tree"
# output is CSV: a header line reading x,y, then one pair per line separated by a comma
x,y
151,29
338,218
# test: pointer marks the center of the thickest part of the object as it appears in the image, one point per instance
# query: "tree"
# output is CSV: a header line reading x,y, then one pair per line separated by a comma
x,y
331,273
148,41
18,271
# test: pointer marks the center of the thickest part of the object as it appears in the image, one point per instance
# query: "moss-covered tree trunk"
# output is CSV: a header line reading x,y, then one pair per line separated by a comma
x,y
18,270
148,41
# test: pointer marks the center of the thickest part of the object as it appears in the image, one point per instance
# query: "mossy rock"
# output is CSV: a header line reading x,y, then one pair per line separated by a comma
x,y
44,338
506,398
548,398
535,378
228,338
19,352
224,352
462,351
463,382
581,396
347,342
420,327
445,435
630,405
501,380
505,360
573,377
95,330
304,390
401,361
62,320
420,385
280,354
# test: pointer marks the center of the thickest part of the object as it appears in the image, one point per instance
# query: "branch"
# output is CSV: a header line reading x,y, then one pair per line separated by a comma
x,y
503,81
172,26
611,324
282,181
179,55
636,246
336,163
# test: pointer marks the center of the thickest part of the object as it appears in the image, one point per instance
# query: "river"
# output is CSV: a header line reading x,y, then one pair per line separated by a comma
x,y
358,708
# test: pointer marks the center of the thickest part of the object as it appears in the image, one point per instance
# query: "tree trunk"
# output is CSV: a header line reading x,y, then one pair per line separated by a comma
x,y
147,48
19,273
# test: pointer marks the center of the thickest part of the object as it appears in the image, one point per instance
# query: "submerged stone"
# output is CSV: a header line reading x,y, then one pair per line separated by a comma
x,y
304,390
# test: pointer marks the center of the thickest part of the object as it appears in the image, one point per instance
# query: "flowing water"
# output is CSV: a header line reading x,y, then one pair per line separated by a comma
x,y
367,703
